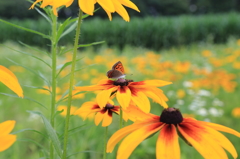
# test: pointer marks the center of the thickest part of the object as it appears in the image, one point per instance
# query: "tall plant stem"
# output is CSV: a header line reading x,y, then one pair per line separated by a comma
x,y
54,71
105,143
74,56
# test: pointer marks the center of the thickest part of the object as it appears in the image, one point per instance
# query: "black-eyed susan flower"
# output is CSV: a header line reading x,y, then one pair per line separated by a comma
x,y
101,114
87,6
203,136
6,139
10,80
127,91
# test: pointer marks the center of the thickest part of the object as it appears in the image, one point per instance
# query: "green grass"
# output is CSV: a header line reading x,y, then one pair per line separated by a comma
x,y
87,141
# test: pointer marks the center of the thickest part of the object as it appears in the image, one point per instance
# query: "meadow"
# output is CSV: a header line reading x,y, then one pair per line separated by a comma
x,y
205,78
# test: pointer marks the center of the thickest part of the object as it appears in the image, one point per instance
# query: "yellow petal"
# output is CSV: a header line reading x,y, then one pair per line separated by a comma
x,y
123,96
107,120
167,143
10,80
142,101
107,5
109,14
6,127
120,134
135,138
156,83
32,6
6,141
222,128
121,10
46,3
87,6
98,118
161,98
199,138
222,141
103,97
129,4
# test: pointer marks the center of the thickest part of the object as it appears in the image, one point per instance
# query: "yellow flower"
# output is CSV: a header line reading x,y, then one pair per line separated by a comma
x,y
6,139
87,6
181,93
127,91
236,112
203,136
10,80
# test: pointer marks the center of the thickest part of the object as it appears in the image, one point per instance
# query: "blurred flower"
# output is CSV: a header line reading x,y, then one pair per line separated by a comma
x,y
238,42
63,108
181,93
203,136
101,114
17,68
10,80
127,91
6,139
87,6
236,112
207,53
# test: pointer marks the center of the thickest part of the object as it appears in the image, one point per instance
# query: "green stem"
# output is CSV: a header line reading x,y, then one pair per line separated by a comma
x,y
54,82
77,35
105,143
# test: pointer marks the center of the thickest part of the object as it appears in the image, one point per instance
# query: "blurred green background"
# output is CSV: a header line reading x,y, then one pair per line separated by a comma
x,y
193,43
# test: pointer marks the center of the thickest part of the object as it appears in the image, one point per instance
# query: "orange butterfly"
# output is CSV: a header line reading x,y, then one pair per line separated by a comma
x,y
117,71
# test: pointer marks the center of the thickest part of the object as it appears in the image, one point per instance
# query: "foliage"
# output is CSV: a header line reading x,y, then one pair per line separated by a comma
x,y
155,33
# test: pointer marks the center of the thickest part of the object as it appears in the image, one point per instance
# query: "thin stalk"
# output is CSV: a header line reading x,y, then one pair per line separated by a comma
x,y
105,143
54,82
74,57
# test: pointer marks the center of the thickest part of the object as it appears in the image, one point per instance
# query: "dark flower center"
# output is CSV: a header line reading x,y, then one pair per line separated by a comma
x,y
109,106
122,82
171,116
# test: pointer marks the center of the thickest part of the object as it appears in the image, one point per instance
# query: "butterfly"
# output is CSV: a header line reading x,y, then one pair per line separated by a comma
x,y
117,71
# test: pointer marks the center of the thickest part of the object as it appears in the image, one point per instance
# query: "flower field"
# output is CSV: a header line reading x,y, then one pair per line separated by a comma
x,y
205,85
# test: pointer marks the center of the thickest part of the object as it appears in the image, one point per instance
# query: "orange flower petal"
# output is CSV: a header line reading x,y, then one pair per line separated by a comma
x,y
117,136
123,96
167,143
129,4
107,119
32,6
103,97
221,128
135,138
152,83
6,141
199,138
121,10
6,127
107,5
142,101
87,6
98,118
10,80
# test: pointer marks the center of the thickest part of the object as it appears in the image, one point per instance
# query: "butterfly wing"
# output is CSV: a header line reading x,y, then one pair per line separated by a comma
x,y
115,74
118,66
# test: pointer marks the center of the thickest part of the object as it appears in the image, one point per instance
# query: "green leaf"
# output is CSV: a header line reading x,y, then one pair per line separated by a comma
x,y
32,48
73,26
29,129
26,29
38,144
44,15
51,133
34,72
65,65
33,100
25,53
46,89
63,26
84,45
